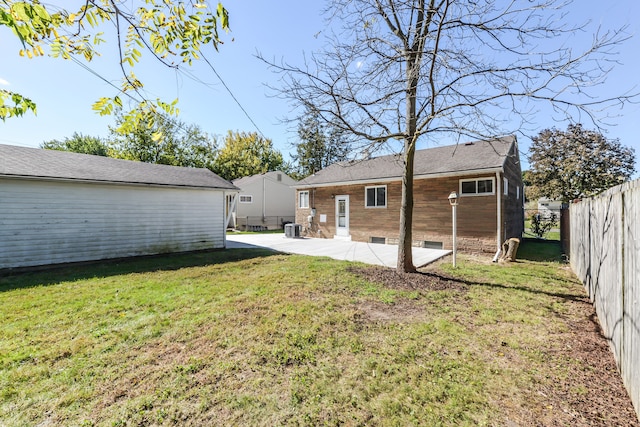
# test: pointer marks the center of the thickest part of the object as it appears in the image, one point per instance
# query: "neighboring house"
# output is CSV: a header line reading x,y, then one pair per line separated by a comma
x,y
266,201
60,207
548,207
360,200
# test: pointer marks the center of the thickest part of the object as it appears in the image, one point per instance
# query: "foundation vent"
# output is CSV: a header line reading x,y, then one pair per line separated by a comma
x,y
431,245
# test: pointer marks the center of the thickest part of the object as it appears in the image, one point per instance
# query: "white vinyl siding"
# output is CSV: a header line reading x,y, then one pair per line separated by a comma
x,y
58,222
270,197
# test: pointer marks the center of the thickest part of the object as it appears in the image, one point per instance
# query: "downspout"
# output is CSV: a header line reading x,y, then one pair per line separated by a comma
x,y
498,216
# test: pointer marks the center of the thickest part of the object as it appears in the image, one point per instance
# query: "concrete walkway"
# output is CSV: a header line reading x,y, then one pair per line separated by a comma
x,y
370,253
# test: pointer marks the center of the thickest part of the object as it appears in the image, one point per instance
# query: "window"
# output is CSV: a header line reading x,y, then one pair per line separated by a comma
x,y
481,186
505,184
246,199
303,199
279,177
518,192
376,197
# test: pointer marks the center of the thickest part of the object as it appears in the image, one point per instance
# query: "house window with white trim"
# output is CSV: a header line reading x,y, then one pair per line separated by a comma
x,y
303,199
246,198
505,184
376,197
477,187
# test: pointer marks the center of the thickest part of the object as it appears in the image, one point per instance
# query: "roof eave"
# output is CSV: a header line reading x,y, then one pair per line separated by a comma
x,y
398,178
98,181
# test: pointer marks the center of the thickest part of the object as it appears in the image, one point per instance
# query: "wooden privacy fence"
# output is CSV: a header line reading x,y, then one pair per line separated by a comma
x,y
605,255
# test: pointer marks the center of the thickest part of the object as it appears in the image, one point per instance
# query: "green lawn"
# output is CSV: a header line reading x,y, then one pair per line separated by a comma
x,y
553,235
249,337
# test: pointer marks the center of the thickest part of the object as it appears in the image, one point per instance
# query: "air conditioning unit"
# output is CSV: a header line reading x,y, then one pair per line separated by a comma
x,y
292,230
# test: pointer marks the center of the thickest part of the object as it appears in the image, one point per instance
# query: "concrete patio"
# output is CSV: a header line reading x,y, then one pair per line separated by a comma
x,y
369,253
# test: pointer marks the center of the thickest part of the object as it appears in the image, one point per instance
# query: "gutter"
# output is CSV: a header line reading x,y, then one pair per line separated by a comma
x,y
122,183
399,178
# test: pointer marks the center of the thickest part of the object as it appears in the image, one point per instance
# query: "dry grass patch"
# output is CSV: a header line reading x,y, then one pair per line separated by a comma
x,y
252,338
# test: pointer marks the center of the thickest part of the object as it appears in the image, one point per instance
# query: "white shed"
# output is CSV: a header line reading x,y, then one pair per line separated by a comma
x,y
60,207
266,201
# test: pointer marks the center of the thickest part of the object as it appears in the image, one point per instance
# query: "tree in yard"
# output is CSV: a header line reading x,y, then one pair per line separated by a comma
x,y
173,32
541,225
163,140
320,145
246,154
575,163
79,143
397,71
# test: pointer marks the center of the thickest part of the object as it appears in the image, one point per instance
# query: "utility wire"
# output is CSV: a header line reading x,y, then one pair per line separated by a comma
x,y
184,72
232,95
98,75
227,87
190,75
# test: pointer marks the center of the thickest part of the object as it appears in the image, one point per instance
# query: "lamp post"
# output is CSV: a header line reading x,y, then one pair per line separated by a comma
x,y
453,200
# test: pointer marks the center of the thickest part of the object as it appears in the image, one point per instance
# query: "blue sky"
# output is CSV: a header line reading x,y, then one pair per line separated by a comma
x,y
282,29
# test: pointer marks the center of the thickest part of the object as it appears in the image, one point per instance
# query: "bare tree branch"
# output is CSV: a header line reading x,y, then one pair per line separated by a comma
x,y
402,70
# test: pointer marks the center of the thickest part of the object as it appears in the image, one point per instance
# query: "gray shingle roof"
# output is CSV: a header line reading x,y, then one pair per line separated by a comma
x,y
451,159
50,164
247,180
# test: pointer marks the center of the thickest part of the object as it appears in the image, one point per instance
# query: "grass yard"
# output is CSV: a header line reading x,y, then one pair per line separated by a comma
x,y
552,235
249,337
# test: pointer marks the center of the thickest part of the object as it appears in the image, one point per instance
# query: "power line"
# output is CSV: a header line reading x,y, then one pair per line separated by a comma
x,y
191,75
188,74
98,75
232,95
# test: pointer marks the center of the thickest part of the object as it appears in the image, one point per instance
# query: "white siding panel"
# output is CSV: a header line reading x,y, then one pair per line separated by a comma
x,y
53,222
281,199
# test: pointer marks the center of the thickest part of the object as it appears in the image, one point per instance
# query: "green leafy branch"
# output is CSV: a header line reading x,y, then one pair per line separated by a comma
x,y
19,106
174,32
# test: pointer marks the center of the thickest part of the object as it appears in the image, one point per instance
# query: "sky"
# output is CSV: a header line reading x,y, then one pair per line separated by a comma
x,y
280,30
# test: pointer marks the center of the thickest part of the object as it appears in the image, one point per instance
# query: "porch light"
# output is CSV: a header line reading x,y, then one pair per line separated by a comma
x,y
453,201
453,198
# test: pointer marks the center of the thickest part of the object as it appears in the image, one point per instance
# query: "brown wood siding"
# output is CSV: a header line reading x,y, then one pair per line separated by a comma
x,y
513,210
432,219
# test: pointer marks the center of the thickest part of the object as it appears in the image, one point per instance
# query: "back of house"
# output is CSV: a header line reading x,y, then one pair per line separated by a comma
x,y
360,200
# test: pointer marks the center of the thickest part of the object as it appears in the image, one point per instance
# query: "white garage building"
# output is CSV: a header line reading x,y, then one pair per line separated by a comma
x,y
60,207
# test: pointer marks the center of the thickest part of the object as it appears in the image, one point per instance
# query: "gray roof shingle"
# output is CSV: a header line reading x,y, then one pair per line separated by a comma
x,y
50,164
460,158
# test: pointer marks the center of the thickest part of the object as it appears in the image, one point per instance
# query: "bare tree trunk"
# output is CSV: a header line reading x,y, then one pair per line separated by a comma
x,y
405,255
409,70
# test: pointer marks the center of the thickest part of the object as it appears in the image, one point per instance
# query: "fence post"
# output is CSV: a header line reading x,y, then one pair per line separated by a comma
x,y
565,230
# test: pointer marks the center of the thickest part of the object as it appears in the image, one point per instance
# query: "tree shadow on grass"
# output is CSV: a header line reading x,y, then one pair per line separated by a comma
x,y
54,274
